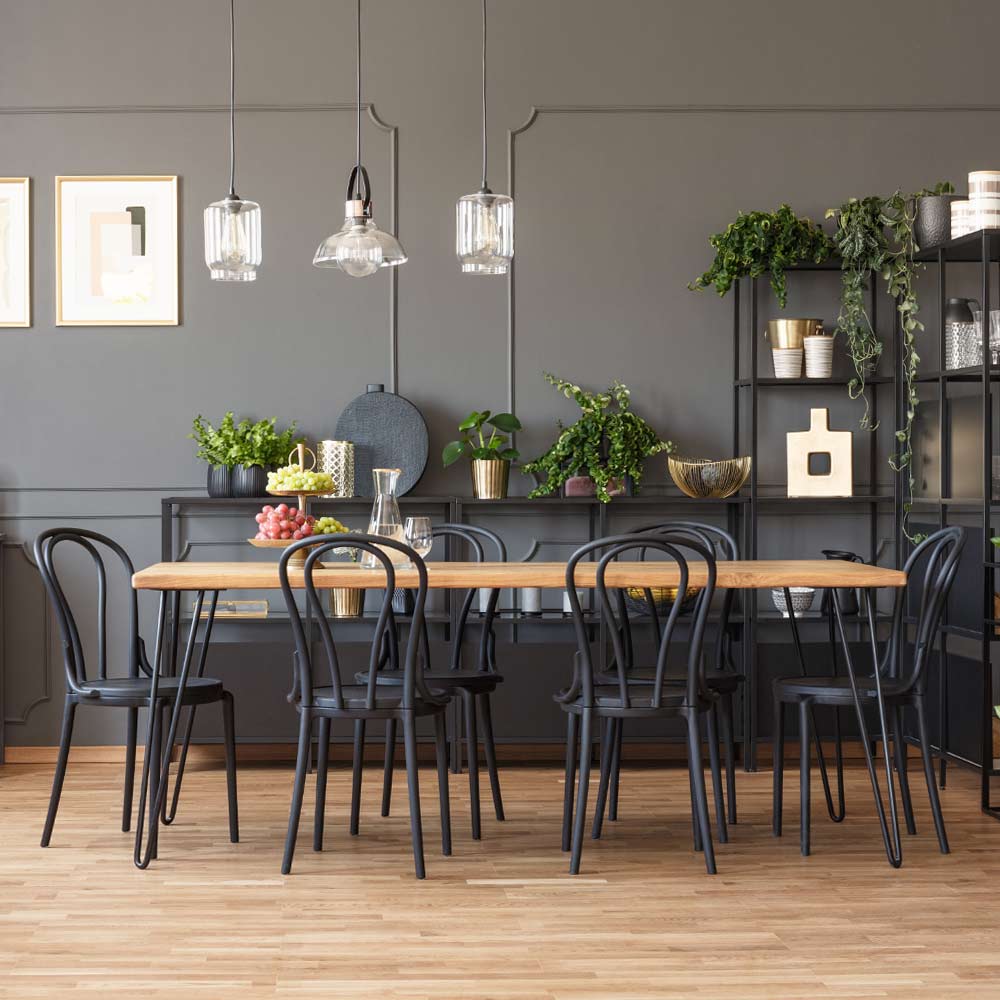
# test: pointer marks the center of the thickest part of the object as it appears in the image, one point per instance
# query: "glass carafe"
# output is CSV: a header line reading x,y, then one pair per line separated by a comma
x,y
385,519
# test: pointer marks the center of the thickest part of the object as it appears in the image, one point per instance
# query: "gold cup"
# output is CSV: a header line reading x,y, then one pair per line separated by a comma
x,y
490,477
346,602
790,333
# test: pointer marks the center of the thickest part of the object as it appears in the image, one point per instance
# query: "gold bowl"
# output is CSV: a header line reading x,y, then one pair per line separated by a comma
x,y
663,599
702,477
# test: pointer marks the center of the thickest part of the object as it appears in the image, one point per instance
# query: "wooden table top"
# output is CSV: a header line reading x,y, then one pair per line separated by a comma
x,y
741,575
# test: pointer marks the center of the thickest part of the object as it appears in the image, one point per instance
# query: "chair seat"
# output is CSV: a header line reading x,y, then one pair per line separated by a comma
x,y
723,681
135,690
447,680
833,689
387,699
608,698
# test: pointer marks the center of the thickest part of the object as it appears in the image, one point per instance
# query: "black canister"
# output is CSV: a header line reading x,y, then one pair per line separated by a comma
x,y
847,596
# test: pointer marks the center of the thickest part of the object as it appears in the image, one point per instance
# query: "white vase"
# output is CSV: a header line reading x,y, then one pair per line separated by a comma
x,y
819,356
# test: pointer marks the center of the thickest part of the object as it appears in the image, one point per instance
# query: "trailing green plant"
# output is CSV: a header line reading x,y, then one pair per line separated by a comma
x,y
608,441
861,241
475,444
764,242
243,443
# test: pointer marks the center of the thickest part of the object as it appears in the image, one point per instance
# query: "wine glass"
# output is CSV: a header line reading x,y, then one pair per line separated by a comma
x,y
417,533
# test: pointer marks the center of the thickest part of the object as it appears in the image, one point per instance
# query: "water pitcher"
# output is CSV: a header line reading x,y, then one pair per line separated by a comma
x,y
385,519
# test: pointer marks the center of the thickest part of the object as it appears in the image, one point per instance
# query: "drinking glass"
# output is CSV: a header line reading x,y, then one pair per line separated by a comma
x,y
417,534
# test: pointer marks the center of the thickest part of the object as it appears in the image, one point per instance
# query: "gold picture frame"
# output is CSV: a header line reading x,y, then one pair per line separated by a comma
x,y
24,231
157,301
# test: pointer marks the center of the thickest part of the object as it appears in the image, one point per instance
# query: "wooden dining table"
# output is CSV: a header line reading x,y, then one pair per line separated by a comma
x,y
211,578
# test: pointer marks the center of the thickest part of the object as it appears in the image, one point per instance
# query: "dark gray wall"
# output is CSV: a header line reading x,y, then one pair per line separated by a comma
x,y
656,121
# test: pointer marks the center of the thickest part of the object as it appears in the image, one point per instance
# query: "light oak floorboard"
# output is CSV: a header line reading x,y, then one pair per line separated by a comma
x,y
501,918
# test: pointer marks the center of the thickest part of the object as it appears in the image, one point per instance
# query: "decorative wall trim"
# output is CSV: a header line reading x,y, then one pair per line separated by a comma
x,y
392,131
46,664
538,110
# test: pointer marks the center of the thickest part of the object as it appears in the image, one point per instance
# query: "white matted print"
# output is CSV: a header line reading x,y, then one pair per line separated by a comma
x,y
116,251
15,251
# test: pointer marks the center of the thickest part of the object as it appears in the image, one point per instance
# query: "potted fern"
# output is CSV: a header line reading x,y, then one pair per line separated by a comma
x,y
603,454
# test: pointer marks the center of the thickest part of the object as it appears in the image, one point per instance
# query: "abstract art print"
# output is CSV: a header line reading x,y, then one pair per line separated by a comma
x,y
15,251
116,251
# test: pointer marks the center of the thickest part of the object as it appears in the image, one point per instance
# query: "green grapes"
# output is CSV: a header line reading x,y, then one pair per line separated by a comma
x,y
292,477
328,526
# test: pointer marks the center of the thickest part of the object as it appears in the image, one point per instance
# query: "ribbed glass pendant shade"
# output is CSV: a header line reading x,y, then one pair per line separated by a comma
x,y
232,239
359,247
484,232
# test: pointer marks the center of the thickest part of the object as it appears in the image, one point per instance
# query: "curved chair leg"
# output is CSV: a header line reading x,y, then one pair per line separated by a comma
x,y
697,772
695,824
711,720
298,788
586,750
572,728
472,755
69,714
390,756
804,776
726,727
779,766
322,767
356,769
607,742
441,745
489,746
229,737
416,828
899,752
131,738
932,791
616,769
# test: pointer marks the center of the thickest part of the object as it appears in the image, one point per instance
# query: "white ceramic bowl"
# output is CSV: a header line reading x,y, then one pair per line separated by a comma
x,y
984,184
802,600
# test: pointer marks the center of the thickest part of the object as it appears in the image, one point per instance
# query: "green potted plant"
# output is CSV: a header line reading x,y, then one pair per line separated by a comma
x,y
759,243
490,455
604,452
240,454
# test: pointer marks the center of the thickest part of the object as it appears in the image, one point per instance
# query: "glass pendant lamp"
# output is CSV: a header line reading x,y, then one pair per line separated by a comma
x,y
359,247
484,236
232,226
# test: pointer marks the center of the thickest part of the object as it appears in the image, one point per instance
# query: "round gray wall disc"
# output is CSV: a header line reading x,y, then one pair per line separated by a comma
x,y
388,432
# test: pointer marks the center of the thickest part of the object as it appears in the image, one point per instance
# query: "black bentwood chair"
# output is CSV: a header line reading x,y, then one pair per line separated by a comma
x,y
721,678
405,702
587,699
130,692
902,674
475,684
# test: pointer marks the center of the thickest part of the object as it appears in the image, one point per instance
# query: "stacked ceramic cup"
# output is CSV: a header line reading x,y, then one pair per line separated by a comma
x,y
982,210
787,338
819,354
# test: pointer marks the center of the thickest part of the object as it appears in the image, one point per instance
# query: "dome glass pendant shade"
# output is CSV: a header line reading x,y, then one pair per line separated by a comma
x,y
484,231
232,225
359,248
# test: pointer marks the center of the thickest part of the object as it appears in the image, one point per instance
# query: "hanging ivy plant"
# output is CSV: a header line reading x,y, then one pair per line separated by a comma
x,y
759,243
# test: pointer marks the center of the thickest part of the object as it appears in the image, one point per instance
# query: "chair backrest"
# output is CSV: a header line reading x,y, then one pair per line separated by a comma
x,y
723,545
74,659
672,547
304,674
471,534
939,555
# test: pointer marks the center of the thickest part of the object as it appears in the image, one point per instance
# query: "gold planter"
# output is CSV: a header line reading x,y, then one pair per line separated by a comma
x,y
789,334
346,602
490,477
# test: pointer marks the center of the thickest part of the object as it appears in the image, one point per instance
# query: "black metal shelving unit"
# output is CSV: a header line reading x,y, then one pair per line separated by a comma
x,y
981,248
748,386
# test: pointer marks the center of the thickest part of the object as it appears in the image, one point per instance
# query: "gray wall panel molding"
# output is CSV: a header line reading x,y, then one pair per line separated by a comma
x,y
45,666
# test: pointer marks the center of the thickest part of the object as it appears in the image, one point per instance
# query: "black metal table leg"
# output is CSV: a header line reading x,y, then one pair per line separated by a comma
x,y
837,815
893,847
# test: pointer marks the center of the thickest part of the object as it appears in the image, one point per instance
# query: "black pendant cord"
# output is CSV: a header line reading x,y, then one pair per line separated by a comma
x,y
485,187
232,99
358,87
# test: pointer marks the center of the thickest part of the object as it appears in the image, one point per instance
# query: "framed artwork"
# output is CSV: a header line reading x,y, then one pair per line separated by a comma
x,y
15,251
116,251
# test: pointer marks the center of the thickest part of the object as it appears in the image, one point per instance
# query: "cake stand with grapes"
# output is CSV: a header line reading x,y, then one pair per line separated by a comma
x,y
303,496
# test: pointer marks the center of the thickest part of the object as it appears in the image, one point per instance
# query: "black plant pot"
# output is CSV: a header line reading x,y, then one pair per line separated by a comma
x,y
249,481
933,222
220,481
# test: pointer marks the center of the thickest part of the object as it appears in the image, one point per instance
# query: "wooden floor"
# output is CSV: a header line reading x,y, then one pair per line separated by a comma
x,y
499,919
